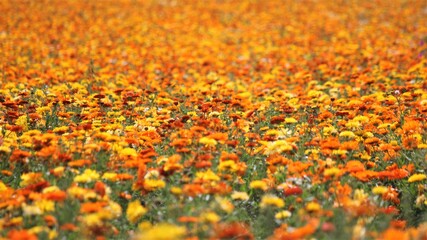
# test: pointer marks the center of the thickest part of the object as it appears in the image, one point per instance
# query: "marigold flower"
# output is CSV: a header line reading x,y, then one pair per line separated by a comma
x,y
283,214
135,211
290,120
347,134
3,187
225,204
110,176
153,184
45,205
128,153
207,176
88,175
162,231
176,190
417,177
312,207
208,142
240,196
278,146
271,200
332,172
259,184
379,190
30,178
228,165
210,217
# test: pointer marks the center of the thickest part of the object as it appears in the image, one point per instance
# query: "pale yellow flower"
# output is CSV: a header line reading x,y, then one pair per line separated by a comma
x,y
239,196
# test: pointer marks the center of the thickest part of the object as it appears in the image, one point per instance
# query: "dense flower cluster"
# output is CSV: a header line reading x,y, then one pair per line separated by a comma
x,y
191,119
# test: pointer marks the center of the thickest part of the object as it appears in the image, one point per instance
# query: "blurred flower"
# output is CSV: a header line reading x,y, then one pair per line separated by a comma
x,y
210,217
283,214
313,207
379,190
162,231
417,177
240,196
258,184
271,200
153,184
208,142
135,211
88,175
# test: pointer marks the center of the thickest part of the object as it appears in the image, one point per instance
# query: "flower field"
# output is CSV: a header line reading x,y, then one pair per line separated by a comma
x,y
186,119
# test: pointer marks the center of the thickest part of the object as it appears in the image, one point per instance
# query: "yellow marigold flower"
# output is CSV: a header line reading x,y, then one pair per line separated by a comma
x,y
384,125
363,119
135,211
360,195
290,120
244,95
283,214
51,189
144,225
110,176
229,165
88,175
52,234
329,130
162,231
93,219
114,208
258,184
3,186
278,146
271,200
192,114
208,142
239,196
417,177
153,184
207,176
368,134
81,193
225,204
379,190
5,149
422,146
58,171
347,134
128,152
45,205
331,172
23,122
60,130
176,190
339,152
272,132
30,178
16,221
214,114
353,124
312,207
210,217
